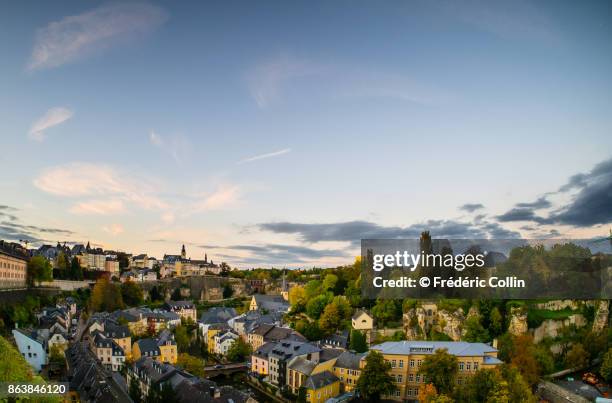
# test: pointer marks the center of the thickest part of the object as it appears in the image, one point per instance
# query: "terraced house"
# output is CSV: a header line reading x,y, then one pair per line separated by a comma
x,y
406,358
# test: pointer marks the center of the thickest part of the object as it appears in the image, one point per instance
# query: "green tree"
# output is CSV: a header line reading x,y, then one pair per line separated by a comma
x,y
475,332
519,391
329,282
106,296
316,306
239,351
191,364
132,293
134,390
358,342
76,271
606,366
440,368
386,310
496,322
301,396
181,337
228,291
375,379
39,269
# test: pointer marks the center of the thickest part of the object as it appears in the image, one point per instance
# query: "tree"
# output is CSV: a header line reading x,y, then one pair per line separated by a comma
x,y
76,272
523,358
375,379
56,356
577,357
358,342
518,390
301,395
606,366
39,269
191,364
334,314
105,296
155,295
329,282
475,332
61,262
427,393
496,322
297,296
479,386
225,269
134,390
239,351
440,368
386,310
315,306
132,293
181,337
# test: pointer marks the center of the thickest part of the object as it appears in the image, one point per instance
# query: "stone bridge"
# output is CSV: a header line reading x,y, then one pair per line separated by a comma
x,y
203,288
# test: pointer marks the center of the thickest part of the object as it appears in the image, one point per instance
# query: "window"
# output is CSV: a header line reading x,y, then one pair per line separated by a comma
x,y
475,366
410,377
411,363
393,364
419,362
401,363
461,366
399,379
468,366
398,393
418,378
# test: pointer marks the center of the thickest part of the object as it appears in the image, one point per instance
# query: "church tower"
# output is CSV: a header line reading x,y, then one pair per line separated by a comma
x,y
183,252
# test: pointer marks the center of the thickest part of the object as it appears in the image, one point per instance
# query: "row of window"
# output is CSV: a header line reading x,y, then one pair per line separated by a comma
x,y
468,366
15,266
12,275
400,363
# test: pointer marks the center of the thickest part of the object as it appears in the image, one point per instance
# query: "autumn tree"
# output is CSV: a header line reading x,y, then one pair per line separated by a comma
x,y
375,379
440,368
132,293
606,366
522,356
239,351
181,337
577,357
191,364
106,296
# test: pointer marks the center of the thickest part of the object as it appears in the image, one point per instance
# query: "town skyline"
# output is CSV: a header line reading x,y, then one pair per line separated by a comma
x,y
118,126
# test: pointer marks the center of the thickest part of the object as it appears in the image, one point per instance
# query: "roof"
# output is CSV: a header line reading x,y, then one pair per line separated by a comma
x,y
148,345
218,314
180,304
329,353
320,380
457,348
116,331
271,302
286,349
491,360
302,365
14,250
359,312
349,360
264,350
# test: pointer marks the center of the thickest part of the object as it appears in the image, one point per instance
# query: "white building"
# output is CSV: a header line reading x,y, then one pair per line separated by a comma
x,y
32,345
223,341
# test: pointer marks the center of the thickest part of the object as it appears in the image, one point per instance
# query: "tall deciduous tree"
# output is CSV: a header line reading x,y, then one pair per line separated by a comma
x,y
358,342
239,351
440,368
39,269
375,379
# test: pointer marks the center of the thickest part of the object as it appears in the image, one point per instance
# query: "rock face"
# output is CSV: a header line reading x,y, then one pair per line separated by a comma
x,y
551,327
451,324
560,304
601,316
518,322
418,322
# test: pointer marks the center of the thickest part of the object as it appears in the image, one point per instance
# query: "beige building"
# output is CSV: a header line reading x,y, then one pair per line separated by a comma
x,y
13,265
406,357
111,265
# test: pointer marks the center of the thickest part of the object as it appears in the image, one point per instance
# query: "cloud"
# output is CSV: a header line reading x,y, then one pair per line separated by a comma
x,y
471,207
267,80
589,205
75,37
113,229
15,230
52,117
95,182
264,156
177,146
225,196
540,203
102,207
354,231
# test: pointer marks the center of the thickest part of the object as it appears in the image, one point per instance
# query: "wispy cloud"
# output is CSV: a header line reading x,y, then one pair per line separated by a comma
x,y
113,229
267,80
52,117
95,181
177,146
225,196
264,156
77,36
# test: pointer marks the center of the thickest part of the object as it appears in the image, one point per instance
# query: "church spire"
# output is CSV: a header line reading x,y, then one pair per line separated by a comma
x,y
183,252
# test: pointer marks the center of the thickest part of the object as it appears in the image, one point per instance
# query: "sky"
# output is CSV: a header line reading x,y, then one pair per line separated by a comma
x,y
281,133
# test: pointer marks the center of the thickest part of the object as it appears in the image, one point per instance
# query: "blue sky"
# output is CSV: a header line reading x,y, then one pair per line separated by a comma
x,y
281,133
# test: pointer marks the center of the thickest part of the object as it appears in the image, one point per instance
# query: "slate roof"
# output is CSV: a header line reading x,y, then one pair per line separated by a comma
x,y
349,360
264,350
219,314
302,365
457,348
148,346
286,349
317,381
